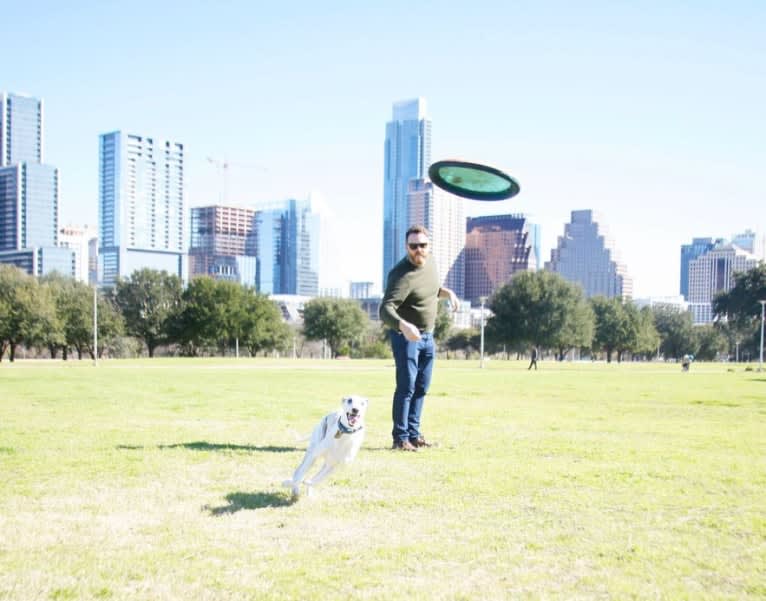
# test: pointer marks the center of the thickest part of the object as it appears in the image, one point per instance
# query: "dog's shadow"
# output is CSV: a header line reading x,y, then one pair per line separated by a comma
x,y
237,501
202,445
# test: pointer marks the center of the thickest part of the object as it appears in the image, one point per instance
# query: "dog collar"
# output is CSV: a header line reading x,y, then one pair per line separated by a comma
x,y
344,429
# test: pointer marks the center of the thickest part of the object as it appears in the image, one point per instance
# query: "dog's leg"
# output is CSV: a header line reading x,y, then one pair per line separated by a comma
x,y
313,451
327,469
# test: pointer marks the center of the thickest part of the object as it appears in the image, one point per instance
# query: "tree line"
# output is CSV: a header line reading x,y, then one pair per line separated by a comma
x,y
152,309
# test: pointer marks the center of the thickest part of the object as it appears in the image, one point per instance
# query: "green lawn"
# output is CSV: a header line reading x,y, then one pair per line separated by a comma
x,y
160,479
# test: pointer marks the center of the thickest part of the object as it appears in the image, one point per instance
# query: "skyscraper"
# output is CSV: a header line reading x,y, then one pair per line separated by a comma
x,y
444,216
689,252
713,272
141,206
21,129
407,156
496,248
585,255
287,238
752,242
223,243
29,192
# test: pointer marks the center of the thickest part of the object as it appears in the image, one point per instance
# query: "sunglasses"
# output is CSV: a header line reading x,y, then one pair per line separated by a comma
x,y
417,245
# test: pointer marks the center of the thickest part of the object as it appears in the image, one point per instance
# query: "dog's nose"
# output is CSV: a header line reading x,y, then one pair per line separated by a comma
x,y
354,411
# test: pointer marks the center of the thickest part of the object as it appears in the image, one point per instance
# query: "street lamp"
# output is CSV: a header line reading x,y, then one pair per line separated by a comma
x,y
482,300
763,306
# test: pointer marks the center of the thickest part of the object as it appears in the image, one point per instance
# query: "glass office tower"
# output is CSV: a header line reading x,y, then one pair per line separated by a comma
x,y
288,248
497,247
444,216
141,206
689,252
407,156
29,195
21,129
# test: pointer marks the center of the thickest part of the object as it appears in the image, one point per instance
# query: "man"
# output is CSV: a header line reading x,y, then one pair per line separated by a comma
x,y
534,359
409,308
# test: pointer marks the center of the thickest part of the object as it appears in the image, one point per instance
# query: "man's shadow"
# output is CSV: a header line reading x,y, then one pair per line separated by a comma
x,y
238,501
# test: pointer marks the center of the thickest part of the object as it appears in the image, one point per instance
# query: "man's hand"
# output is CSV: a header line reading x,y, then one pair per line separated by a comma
x,y
451,296
410,332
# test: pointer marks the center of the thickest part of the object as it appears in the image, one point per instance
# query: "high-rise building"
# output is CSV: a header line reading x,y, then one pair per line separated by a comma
x,y
360,290
21,129
141,206
496,248
585,255
444,216
29,192
752,242
407,156
79,240
287,248
689,252
223,244
712,273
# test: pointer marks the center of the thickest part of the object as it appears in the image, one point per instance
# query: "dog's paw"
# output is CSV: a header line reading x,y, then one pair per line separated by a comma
x,y
296,489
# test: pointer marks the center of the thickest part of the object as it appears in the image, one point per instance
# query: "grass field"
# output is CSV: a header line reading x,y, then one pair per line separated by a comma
x,y
161,480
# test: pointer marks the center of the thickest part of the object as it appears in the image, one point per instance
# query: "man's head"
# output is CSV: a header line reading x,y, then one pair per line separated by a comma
x,y
418,244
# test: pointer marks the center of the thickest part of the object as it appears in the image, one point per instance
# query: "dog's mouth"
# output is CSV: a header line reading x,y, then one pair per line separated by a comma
x,y
352,418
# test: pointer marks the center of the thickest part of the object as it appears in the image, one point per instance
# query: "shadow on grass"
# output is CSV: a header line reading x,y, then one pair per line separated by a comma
x,y
243,500
210,446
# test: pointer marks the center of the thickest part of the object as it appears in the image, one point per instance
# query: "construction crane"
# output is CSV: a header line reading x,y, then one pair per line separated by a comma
x,y
223,165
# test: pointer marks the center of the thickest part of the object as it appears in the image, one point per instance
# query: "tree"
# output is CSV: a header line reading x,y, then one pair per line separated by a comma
x,y
203,318
611,325
648,340
740,310
740,303
338,321
710,342
676,331
26,311
110,325
466,340
74,312
577,330
443,323
261,327
148,299
540,309
55,338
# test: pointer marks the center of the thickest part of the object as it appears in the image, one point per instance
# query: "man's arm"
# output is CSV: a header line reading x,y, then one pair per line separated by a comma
x,y
451,296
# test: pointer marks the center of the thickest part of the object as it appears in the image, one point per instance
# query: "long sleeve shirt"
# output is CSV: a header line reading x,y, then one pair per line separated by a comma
x,y
412,294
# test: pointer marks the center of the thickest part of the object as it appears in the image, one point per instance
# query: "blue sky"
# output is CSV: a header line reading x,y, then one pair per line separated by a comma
x,y
651,113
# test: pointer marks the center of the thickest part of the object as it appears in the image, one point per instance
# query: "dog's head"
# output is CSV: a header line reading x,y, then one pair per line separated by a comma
x,y
354,408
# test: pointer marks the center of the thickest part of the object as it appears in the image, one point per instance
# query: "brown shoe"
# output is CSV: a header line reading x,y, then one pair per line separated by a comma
x,y
420,442
404,445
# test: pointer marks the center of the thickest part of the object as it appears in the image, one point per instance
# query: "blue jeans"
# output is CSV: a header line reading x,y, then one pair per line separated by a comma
x,y
414,364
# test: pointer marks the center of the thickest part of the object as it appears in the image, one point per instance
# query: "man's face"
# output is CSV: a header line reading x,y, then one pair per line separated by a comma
x,y
417,248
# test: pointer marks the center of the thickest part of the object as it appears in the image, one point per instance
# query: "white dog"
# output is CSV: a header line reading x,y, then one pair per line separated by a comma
x,y
337,438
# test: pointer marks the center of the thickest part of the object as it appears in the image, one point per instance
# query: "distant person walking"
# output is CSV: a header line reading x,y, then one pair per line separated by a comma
x,y
534,359
409,309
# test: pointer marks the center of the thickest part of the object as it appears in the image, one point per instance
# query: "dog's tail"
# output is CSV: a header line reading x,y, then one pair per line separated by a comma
x,y
298,436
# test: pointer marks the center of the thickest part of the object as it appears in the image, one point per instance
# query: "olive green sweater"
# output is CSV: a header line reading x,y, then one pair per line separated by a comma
x,y
412,294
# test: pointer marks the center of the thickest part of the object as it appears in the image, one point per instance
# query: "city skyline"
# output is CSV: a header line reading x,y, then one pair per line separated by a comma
x,y
650,116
